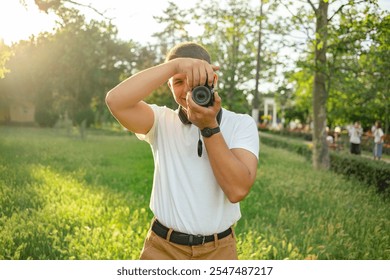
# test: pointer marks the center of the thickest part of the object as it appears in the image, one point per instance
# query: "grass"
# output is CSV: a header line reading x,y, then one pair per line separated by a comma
x,y
66,198
299,213
63,198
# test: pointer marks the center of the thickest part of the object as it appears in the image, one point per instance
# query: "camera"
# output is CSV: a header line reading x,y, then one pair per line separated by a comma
x,y
203,95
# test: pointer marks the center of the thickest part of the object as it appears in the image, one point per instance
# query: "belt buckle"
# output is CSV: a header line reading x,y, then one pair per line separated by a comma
x,y
191,239
203,238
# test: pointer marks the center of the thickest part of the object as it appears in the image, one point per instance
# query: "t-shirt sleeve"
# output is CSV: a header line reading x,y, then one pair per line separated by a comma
x,y
150,136
247,136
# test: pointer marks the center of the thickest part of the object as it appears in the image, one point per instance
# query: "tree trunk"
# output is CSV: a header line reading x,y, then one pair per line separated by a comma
x,y
320,147
386,101
256,101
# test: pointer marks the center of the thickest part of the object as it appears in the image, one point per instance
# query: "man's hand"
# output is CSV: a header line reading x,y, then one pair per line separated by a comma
x,y
203,116
197,71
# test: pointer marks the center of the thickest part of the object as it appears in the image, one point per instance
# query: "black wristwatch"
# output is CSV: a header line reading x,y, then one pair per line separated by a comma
x,y
208,132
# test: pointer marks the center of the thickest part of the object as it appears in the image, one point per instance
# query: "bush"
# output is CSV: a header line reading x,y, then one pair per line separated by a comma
x,y
307,136
85,115
370,172
46,117
299,148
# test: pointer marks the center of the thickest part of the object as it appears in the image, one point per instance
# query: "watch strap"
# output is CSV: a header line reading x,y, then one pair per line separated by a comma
x,y
208,132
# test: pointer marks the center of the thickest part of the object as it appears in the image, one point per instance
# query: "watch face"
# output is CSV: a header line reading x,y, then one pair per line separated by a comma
x,y
207,132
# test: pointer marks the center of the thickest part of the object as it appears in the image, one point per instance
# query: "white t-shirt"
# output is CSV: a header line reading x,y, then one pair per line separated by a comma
x,y
355,134
378,133
185,194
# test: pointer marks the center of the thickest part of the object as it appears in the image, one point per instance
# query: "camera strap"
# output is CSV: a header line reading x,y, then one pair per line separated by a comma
x,y
183,116
184,119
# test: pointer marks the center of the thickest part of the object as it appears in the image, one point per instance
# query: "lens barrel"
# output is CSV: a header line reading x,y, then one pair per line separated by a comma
x,y
203,96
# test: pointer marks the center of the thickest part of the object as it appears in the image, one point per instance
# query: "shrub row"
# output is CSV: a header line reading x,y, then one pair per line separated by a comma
x,y
366,170
375,173
367,143
299,148
307,136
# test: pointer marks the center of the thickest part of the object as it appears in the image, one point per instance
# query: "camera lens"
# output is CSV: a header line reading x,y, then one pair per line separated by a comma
x,y
201,95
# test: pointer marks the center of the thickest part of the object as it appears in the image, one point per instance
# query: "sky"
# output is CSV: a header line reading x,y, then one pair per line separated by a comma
x,y
134,18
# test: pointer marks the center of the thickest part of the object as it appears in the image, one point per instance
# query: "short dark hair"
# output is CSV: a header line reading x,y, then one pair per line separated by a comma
x,y
188,49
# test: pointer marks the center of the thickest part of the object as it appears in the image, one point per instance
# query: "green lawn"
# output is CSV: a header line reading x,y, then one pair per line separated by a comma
x,y
66,198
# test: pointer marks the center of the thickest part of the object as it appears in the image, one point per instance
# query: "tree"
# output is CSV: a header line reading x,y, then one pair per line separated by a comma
x,y
376,63
300,105
226,28
5,54
176,22
266,58
68,72
175,31
85,58
54,5
320,94
318,39
255,101
229,35
357,65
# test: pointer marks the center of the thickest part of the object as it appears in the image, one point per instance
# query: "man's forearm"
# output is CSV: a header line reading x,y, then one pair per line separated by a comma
x,y
234,176
139,86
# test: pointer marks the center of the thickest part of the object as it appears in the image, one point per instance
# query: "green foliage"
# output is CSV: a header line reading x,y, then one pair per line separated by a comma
x,y
46,117
83,59
357,75
226,28
5,53
175,20
71,70
300,103
307,136
373,173
86,116
289,144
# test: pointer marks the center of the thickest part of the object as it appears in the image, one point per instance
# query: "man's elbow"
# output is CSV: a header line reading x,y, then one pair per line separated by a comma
x,y
109,99
239,194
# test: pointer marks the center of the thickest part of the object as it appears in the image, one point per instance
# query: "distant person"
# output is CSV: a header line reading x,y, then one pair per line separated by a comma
x,y
378,140
205,157
355,134
329,138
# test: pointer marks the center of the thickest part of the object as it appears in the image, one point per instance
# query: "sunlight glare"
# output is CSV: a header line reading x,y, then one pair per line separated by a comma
x,y
18,22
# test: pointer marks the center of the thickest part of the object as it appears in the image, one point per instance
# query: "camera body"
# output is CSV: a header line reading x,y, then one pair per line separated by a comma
x,y
203,95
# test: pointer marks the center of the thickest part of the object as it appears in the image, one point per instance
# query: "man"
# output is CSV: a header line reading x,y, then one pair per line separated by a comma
x,y
205,157
355,133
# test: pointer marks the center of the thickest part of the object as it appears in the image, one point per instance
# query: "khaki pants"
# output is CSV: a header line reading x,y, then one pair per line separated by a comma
x,y
157,248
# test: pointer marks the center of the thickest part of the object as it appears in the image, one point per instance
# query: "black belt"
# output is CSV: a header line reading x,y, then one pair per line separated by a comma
x,y
183,238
